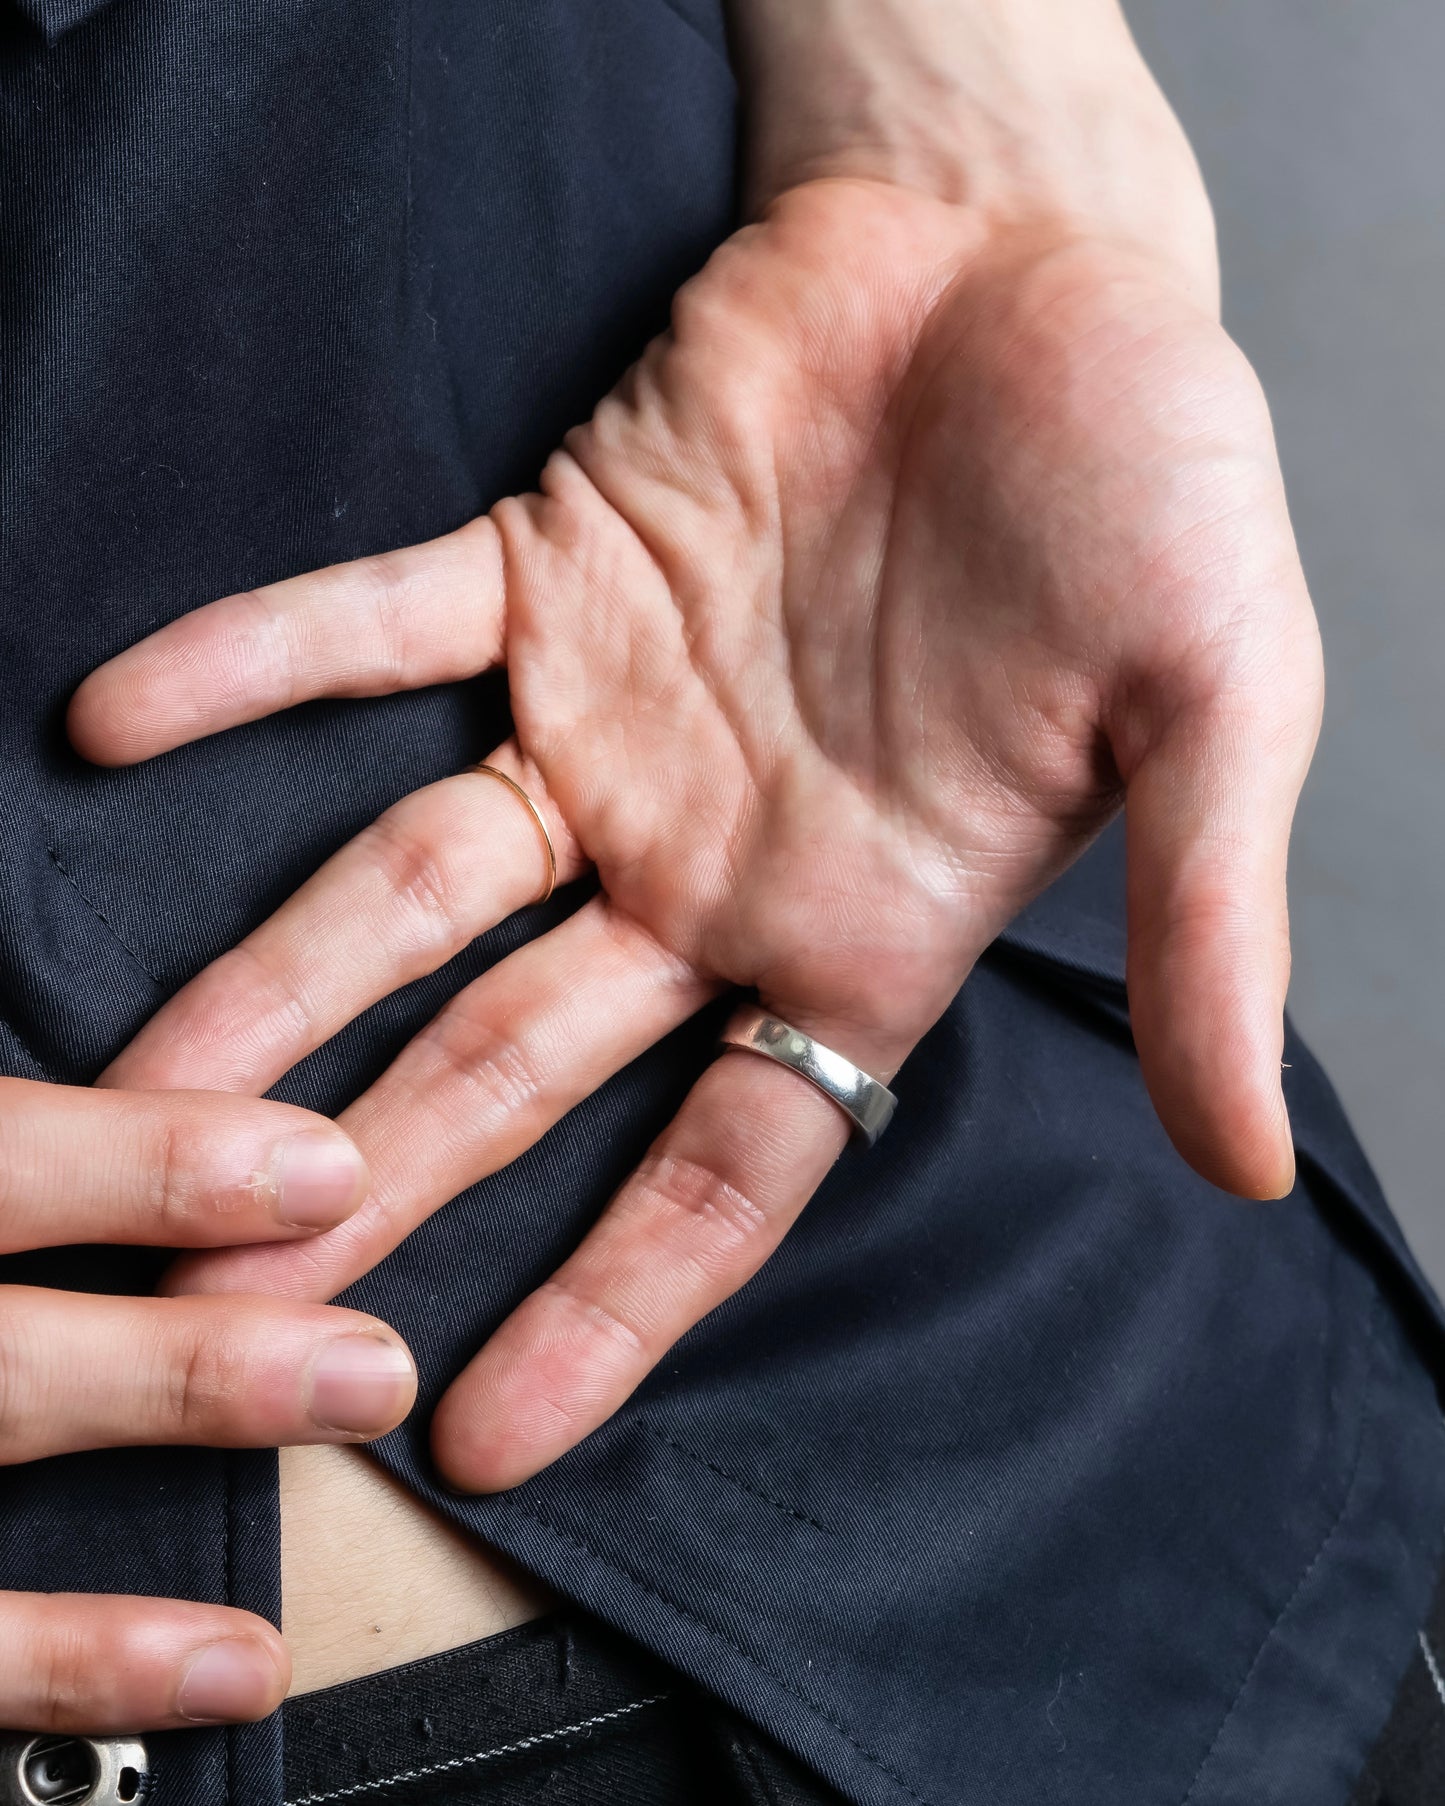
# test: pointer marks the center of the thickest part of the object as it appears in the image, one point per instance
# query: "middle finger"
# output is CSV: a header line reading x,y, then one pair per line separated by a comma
x,y
506,1059
86,1372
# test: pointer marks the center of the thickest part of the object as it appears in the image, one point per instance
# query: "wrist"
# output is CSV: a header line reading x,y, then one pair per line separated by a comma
x,y
1022,112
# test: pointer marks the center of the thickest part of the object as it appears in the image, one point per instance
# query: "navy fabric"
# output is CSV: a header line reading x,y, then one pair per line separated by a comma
x,y
1406,1765
1032,1469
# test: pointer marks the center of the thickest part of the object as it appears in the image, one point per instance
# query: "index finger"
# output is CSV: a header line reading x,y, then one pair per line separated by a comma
x,y
175,1169
426,614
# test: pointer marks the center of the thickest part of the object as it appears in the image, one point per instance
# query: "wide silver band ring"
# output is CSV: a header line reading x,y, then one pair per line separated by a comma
x,y
862,1099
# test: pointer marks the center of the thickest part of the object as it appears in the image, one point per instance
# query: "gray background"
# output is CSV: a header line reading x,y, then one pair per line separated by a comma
x,y
1320,125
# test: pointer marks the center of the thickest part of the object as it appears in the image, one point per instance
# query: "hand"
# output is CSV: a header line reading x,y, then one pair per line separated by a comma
x,y
81,1371
920,543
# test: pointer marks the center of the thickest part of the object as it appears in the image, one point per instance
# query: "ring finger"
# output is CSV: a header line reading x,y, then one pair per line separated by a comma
x,y
710,1202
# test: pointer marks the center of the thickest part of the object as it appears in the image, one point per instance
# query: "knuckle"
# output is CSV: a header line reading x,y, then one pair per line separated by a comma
x,y
592,1316
243,988
64,1667
253,627
203,1382
696,1193
707,306
383,583
237,1001
21,1364
421,881
174,1193
16,1135
496,1068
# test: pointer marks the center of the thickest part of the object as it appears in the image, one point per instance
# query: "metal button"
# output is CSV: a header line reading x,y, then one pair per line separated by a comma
x,y
72,1771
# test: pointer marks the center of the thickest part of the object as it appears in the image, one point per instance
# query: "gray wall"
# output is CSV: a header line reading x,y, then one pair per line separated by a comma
x,y
1320,125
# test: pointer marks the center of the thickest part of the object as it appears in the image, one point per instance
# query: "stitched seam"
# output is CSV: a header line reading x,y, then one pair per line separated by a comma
x,y
24,1045
683,1611
1304,1578
698,33
104,920
456,1762
1433,1666
755,1492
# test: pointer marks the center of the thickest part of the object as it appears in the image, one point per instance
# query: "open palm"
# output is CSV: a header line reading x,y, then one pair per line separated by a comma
x,y
916,547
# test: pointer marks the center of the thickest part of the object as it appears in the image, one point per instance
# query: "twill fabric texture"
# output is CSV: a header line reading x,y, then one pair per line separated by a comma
x,y
560,1712
1031,1469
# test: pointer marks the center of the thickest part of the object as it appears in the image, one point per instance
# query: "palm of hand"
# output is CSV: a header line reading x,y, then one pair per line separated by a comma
x,y
837,630
848,619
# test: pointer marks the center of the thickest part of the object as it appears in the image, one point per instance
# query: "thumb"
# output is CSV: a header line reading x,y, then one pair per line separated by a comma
x,y
1208,813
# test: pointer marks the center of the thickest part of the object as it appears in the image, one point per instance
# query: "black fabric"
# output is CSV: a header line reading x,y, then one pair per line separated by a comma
x,y
1031,1470
1407,1765
560,1711
563,1711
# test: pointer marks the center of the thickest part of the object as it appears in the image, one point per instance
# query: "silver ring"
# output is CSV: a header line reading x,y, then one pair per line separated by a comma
x,y
868,1104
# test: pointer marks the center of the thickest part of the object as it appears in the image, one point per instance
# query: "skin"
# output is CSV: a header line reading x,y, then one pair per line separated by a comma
x,y
346,1613
911,552
84,1372
943,523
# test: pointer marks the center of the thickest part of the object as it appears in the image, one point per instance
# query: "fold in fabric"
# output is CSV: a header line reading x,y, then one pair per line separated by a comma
x,y
53,18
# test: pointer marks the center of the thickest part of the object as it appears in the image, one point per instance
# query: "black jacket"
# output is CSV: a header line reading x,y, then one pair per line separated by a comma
x,y
1031,1469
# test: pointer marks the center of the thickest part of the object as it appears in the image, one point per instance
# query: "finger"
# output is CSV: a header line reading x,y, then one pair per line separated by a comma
x,y
110,1664
78,1371
400,900
423,615
174,1169
506,1059
710,1203
1208,817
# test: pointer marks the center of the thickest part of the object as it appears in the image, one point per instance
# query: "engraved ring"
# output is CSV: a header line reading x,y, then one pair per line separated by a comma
x,y
866,1103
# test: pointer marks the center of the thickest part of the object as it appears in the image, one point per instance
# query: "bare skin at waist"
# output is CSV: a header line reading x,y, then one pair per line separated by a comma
x,y
371,1577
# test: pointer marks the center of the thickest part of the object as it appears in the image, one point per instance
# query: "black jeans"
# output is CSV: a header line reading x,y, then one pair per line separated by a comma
x,y
560,1711
564,1712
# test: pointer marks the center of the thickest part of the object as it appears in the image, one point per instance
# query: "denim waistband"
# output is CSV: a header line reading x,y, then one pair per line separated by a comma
x,y
559,1710
501,1703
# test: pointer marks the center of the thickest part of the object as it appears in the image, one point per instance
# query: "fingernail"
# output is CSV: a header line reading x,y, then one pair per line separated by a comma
x,y
320,1180
361,1385
235,1679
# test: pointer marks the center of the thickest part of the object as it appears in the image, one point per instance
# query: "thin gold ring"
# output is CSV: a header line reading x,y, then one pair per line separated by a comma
x,y
491,771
